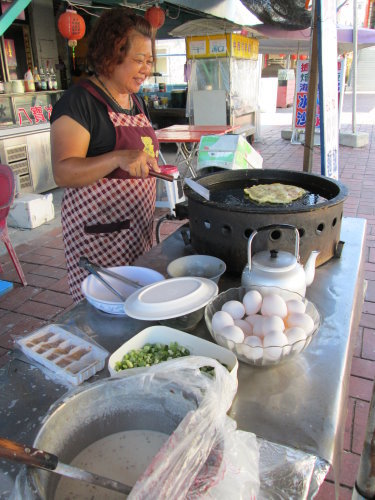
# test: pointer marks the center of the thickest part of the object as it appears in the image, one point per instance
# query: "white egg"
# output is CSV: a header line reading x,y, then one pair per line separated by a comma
x,y
273,344
274,304
297,336
244,325
295,306
252,318
272,323
220,320
253,348
233,333
252,300
235,308
258,326
302,320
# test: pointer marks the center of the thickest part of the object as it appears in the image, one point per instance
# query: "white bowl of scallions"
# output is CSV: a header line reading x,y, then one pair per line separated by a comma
x,y
157,344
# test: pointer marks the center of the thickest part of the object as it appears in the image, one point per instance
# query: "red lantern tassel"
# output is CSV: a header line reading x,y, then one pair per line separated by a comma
x,y
73,44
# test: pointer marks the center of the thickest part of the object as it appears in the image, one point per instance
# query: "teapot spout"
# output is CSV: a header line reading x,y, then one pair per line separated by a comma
x,y
310,267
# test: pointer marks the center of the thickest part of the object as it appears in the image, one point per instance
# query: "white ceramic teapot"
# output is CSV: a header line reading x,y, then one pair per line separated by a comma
x,y
277,267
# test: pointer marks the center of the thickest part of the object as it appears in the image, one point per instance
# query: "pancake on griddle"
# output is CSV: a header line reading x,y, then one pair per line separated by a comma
x,y
274,193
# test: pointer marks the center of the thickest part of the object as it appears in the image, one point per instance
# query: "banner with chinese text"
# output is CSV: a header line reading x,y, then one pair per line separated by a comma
x,y
302,87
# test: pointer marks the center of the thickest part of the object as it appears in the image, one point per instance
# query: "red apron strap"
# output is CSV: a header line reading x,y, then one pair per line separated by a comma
x,y
91,88
86,84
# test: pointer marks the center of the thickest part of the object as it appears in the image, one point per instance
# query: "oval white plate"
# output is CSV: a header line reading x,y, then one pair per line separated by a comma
x,y
170,298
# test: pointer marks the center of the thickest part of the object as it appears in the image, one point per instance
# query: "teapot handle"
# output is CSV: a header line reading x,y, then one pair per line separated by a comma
x,y
272,226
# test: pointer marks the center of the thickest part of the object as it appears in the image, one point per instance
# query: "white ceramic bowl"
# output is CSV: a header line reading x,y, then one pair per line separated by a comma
x,y
204,266
104,300
260,355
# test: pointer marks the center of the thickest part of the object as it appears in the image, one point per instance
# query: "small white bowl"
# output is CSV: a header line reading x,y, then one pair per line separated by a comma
x,y
203,266
104,300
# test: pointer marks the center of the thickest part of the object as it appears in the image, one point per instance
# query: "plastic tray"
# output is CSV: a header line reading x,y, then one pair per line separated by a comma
x,y
165,335
70,357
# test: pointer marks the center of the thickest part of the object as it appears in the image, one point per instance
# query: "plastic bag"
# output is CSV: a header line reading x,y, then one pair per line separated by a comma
x,y
206,457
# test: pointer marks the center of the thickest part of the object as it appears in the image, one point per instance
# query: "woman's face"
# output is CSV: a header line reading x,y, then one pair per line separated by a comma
x,y
136,67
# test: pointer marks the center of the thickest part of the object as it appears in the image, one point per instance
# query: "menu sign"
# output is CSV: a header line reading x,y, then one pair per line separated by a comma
x,y
228,45
302,87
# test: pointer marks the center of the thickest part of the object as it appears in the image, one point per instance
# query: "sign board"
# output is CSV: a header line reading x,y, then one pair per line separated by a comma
x,y
328,81
30,115
225,45
302,87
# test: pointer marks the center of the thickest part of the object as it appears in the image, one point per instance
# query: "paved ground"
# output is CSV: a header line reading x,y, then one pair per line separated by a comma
x,y
40,251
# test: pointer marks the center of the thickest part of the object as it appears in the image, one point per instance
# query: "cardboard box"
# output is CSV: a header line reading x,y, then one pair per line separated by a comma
x,y
232,152
31,210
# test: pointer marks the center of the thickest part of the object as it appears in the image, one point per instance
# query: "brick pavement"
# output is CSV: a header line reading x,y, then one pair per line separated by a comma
x,y
22,310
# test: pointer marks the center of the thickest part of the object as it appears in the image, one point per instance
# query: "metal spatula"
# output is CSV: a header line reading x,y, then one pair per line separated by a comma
x,y
27,455
195,186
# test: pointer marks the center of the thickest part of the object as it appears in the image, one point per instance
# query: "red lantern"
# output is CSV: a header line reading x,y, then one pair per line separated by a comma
x,y
282,56
71,26
293,57
303,57
155,16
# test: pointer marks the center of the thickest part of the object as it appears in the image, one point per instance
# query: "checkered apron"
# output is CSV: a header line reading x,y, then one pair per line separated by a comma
x,y
117,201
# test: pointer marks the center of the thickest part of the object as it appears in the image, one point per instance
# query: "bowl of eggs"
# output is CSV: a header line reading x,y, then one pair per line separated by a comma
x,y
262,325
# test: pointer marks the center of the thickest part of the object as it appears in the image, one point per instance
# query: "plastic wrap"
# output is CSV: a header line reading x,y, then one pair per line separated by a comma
x,y
288,14
288,474
244,86
238,77
205,454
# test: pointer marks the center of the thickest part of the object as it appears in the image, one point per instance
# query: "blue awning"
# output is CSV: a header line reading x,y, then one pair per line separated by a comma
x,y
11,14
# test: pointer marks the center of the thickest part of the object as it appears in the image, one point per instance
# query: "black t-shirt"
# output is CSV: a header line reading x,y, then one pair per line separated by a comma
x,y
80,105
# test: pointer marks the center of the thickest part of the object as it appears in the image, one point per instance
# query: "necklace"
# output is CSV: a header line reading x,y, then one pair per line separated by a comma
x,y
125,110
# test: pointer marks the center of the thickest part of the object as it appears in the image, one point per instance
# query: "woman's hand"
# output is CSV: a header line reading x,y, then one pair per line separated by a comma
x,y
136,163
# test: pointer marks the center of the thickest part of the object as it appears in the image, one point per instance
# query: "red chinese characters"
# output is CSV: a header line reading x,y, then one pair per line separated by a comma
x,y
35,114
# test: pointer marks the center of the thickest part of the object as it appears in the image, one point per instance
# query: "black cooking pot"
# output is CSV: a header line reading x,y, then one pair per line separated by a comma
x,y
178,98
222,225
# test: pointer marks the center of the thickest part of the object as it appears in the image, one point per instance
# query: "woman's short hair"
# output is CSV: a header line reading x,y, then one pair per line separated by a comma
x,y
109,40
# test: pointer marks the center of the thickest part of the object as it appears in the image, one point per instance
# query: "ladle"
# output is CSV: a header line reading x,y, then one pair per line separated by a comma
x,y
27,455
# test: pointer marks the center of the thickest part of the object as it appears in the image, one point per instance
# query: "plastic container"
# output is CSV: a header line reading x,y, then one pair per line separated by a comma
x,y
70,357
29,81
18,87
166,335
30,210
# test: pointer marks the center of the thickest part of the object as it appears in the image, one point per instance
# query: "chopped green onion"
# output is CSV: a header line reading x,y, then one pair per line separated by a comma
x,y
151,354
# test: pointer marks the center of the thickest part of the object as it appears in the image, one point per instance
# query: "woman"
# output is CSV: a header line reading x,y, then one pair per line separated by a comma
x,y
103,146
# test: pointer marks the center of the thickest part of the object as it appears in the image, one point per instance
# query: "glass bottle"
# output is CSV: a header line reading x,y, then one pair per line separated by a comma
x,y
43,78
48,77
37,80
53,79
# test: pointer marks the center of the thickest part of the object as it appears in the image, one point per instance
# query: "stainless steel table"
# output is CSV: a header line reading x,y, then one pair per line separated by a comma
x,y
300,404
